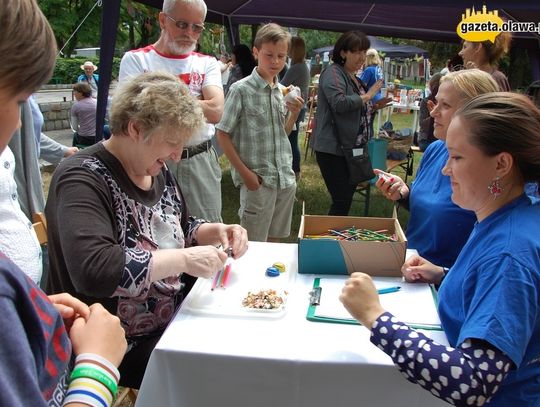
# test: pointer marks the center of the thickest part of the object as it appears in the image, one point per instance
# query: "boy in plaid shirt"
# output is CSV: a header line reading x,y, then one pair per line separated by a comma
x,y
253,135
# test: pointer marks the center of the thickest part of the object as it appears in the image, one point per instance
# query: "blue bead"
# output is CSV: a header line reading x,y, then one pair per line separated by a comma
x,y
272,272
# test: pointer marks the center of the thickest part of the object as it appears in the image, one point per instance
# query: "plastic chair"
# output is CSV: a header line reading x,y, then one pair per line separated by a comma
x,y
377,149
312,100
377,154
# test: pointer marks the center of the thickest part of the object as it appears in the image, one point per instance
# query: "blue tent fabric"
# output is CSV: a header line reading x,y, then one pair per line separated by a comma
x,y
110,14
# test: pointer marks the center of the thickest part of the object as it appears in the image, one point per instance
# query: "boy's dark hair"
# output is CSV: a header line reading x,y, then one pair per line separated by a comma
x,y
244,59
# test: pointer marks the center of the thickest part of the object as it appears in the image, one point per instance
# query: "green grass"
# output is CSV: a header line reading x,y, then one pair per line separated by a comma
x,y
312,192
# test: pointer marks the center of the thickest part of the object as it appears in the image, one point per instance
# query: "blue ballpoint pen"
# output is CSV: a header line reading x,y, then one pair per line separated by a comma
x,y
388,290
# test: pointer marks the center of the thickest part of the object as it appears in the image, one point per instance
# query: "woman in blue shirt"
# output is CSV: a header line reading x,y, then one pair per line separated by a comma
x,y
370,75
489,301
438,228
372,72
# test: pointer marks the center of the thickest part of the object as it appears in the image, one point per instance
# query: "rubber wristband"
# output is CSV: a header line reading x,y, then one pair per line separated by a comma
x,y
86,385
97,375
85,359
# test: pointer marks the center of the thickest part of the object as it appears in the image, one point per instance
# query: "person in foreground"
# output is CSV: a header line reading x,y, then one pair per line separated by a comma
x,y
489,300
118,227
45,340
437,227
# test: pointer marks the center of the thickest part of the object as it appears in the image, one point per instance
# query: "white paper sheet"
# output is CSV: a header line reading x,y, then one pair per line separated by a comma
x,y
247,274
412,304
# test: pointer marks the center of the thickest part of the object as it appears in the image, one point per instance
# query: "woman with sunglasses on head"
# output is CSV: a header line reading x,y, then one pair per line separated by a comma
x,y
342,119
485,55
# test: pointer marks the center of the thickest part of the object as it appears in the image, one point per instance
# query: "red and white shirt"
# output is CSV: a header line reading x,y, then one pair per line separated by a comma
x,y
196,71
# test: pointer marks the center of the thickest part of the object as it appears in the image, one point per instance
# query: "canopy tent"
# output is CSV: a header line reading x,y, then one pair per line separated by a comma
x,y
390,50
392,18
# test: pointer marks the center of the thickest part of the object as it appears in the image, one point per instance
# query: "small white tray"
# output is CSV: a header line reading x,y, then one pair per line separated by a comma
x,y
247,274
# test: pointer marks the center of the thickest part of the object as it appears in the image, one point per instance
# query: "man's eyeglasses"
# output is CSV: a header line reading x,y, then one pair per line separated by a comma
x,y
196,28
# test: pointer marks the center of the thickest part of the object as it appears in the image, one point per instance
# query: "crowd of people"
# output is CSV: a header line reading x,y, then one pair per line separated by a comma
x,y
133,221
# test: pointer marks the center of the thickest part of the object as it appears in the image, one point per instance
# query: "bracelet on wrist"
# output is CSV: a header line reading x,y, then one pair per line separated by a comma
x,y
94,359
96,374
89,392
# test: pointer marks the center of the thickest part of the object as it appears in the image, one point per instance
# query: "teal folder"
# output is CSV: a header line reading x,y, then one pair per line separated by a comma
x,y
314,302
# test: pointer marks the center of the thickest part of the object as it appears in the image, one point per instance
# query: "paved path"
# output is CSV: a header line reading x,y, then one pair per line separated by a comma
x,y
62,136
61,95
54,95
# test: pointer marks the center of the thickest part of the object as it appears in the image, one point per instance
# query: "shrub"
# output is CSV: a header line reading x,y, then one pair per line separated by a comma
x,y
68,69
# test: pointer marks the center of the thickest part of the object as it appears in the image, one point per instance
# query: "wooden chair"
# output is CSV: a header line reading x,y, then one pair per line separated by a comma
x,y
40,227
312,102
128,392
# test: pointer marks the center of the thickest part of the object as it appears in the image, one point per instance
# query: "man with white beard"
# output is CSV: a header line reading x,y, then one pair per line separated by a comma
x,y
198,173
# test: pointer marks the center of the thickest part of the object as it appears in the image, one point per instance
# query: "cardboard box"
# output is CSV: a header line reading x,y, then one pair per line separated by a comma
x,y
326,256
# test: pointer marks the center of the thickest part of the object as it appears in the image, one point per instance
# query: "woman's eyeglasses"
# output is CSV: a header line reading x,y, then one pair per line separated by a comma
x,y
196,28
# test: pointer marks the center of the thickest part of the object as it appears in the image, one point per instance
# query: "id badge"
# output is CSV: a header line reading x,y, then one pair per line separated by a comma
x,y
357,151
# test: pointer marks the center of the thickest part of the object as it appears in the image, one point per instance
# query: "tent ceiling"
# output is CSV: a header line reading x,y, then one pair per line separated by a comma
x,y
394,18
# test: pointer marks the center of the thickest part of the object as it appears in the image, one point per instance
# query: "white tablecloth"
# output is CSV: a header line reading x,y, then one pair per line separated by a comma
x,y
211,360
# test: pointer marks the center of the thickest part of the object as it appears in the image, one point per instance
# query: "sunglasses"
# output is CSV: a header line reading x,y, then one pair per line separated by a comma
x,y
196,28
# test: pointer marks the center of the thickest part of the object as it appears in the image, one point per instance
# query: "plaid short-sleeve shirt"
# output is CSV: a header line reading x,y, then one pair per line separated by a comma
x,y
254,117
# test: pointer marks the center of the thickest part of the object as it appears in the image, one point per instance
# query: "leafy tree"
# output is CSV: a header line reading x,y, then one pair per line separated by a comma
x,y
139,27
66,16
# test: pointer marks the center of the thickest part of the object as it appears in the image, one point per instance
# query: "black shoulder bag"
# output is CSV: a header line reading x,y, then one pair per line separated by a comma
x,y
357,157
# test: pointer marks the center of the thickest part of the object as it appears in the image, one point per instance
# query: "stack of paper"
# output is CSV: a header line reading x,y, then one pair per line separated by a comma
x,y
414,304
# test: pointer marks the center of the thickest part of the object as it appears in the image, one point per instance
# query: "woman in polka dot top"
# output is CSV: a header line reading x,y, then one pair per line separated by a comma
x,y
489,301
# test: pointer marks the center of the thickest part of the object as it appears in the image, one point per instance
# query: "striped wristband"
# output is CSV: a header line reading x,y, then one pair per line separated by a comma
x,y
97,375
94,381
89,392
94,360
